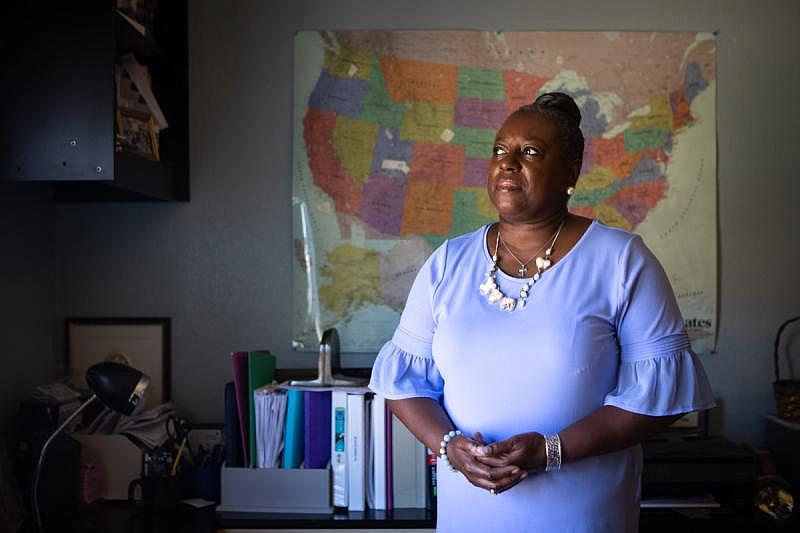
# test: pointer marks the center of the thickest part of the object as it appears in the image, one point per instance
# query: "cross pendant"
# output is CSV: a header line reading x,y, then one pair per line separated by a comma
x,y
522,271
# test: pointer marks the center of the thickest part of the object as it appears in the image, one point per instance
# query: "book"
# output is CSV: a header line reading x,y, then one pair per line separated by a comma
x,y
294,434
317,429
239,365
409,470
339,448
233,433
389,460
260,372
431,482
356,450
376,496
369,452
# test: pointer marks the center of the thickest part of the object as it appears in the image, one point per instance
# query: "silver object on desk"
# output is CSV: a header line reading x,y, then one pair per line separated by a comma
x,y
329,366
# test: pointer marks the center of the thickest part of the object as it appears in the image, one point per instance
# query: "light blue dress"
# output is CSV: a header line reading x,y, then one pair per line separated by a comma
x,y
601,327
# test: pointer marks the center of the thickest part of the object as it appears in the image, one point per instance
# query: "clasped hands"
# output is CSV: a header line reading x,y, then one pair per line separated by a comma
x,y
498,466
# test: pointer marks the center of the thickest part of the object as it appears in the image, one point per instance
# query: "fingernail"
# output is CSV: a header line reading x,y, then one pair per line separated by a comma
x,y
515,472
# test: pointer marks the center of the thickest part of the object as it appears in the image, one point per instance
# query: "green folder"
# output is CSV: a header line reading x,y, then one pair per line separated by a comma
x,y
260,372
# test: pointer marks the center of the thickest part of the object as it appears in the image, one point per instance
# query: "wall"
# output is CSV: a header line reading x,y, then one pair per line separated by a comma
x,y
27,294
219,265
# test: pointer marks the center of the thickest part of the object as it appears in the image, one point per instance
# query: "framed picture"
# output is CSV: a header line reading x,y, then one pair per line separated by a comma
x,y
142,343
137,133
695,423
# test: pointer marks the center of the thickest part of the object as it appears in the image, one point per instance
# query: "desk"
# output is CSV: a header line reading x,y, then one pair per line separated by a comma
x,y
407,520
783,442
119,517
122,517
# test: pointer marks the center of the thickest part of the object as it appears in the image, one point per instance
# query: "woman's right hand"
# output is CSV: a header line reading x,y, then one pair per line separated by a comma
x,y
462,450
427,420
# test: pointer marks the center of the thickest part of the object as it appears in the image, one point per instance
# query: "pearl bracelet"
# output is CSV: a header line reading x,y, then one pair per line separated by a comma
x,y
443,448
552,448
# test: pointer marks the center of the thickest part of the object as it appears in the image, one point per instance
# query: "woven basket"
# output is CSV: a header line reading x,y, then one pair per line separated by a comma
x,y
787,391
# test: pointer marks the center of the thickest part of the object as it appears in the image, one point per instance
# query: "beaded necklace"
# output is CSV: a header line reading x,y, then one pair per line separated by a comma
x,y
492,291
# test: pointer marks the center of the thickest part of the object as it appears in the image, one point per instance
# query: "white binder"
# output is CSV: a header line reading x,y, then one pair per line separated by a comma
x,y
356,452
339,447
408,467
376,468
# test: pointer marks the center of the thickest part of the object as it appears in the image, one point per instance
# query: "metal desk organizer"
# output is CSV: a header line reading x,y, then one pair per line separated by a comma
x,y
329,366
289,490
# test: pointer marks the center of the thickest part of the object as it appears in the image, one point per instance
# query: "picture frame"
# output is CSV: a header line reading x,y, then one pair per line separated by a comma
x,y
142,343
137,133
690,424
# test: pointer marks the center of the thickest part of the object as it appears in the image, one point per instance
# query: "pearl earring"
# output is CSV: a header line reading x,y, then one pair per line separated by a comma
x,y
570,191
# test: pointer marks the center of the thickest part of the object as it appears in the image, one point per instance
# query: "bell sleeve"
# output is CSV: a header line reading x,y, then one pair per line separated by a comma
x,y
658,374
404,367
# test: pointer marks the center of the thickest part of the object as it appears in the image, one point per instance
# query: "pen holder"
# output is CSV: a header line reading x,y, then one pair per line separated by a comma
x,y
207,481
155,493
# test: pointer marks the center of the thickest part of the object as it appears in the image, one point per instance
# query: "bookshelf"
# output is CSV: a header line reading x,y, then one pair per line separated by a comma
x,y
59,93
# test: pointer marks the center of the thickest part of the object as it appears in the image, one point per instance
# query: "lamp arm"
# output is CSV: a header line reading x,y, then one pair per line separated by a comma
x,y
35,488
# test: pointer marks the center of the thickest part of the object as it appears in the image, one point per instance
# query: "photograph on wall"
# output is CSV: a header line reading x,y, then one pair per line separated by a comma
x,y
137,134
393,132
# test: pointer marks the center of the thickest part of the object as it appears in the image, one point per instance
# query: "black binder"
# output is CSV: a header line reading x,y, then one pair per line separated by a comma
x,y
233,434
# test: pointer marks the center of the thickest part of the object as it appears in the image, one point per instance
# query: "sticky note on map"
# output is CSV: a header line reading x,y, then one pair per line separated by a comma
x,y
391,164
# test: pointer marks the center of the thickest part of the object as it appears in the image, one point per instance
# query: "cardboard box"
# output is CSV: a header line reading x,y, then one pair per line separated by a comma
x,y
117,459
276,490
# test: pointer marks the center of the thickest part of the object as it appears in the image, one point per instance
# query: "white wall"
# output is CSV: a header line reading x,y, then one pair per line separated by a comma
x,y
220,265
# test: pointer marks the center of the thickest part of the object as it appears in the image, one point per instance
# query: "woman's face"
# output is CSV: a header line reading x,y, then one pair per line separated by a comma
x,y
528,177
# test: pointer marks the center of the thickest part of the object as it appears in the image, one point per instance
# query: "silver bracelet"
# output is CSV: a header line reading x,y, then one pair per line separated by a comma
x,y
443,448
552,448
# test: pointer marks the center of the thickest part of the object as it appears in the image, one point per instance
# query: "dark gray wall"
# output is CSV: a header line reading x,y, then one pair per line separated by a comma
x,y
27,294
220,265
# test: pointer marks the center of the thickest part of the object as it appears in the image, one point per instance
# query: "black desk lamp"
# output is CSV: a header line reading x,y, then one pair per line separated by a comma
x,y
118,386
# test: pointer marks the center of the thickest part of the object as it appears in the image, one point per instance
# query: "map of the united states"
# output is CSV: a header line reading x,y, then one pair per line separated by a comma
x,y
396,133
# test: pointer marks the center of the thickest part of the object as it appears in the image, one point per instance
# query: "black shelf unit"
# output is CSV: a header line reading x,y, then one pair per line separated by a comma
x,y
57,84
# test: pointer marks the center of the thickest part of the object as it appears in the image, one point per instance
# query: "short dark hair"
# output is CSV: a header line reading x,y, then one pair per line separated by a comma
x,y
561,109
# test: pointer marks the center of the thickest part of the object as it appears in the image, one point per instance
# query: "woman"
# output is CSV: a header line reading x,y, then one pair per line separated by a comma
x,y
535,353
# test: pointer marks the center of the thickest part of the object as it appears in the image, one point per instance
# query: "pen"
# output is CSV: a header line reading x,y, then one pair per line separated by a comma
x,y
178,457
217,453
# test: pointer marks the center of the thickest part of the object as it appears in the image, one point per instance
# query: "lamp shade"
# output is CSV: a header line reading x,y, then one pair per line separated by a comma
x,y
120,387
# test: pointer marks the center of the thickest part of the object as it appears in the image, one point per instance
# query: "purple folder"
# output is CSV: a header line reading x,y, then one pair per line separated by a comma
x,y
317,429
239,364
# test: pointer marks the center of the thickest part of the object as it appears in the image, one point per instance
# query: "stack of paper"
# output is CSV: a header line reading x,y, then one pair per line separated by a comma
x,y
148,427
270,416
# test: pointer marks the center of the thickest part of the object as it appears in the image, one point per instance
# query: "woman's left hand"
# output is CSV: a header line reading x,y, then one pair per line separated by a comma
x,y
525,451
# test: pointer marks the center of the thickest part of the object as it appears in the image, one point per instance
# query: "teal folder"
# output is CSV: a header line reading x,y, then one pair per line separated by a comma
x,y
293,433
